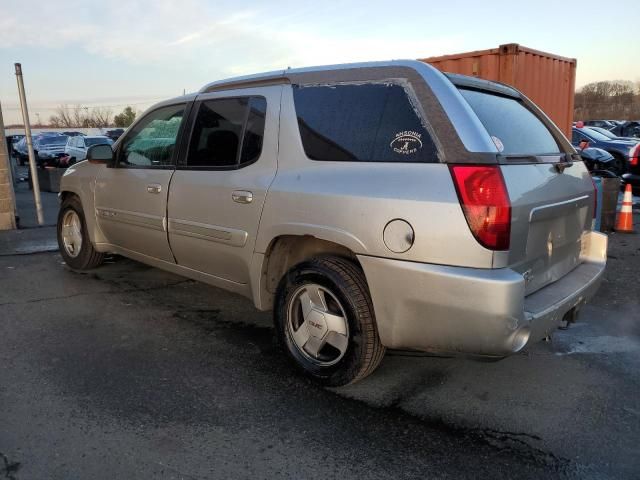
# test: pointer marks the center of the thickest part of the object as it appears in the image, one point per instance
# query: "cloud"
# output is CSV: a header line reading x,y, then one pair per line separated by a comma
x,y
195,35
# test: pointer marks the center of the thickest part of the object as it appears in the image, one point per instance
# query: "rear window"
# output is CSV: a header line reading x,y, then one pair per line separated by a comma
x,y
515,129
361,123
98,141
57,140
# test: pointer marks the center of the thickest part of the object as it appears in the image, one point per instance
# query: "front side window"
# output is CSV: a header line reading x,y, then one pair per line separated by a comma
x,y
151,141
514,128
228,132
361,123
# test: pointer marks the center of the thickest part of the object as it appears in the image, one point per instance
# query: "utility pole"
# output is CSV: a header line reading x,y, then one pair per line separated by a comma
x,y
33,168
7,195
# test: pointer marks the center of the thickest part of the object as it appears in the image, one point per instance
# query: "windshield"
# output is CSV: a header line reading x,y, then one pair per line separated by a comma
x,y
603,131
53,141
514,128
595,135
97,141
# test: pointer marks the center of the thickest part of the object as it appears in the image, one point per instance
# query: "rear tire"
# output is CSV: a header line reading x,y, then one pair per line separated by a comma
x,y
73,238
333,340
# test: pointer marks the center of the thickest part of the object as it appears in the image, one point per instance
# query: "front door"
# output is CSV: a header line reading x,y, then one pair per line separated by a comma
x,y
131,198
218,191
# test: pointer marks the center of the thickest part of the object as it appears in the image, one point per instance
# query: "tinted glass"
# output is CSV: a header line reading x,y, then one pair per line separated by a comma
x,y
59,140
604,132
254,130
575,136
366,123
97,141
512,124
215,140
152,140
595,135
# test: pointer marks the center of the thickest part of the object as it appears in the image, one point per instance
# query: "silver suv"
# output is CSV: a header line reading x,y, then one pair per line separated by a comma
x,y
371,206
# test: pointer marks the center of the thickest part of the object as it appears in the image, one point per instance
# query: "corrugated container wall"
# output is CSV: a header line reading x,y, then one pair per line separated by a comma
x,y
548,80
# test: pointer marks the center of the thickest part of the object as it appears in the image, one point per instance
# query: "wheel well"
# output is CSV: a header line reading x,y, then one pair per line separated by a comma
x,y
66,194
288,250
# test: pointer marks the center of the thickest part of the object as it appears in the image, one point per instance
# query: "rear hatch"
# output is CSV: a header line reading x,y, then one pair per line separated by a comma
x,y
549,188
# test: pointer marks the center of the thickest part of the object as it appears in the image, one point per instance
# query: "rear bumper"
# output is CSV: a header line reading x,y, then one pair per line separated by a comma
x,y
446,309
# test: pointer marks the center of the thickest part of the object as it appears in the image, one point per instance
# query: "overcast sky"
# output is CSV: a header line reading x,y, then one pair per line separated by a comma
x,y
113,52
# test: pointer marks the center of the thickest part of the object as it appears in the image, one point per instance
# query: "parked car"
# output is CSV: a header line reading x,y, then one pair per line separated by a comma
x,y
613,136
73,134
20,150
21,146
48,148
632,176
596,159
371,206
114,133
620,149
77,146
607,124
12,141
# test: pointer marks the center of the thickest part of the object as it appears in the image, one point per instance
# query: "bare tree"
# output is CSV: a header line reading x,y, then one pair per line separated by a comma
x,y
80,116
617,99
101,117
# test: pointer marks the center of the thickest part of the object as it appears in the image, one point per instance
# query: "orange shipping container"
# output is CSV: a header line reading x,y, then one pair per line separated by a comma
x,y
548,80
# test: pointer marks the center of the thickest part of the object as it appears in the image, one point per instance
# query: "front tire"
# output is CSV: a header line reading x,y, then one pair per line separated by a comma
x,y
325,321
73,238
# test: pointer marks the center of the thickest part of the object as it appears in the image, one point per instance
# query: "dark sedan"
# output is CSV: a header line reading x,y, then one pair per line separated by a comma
x,y
620,149
612,135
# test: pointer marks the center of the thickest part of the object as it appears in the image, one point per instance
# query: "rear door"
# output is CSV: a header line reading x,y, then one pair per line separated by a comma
x,y
218,191
131,199
551,201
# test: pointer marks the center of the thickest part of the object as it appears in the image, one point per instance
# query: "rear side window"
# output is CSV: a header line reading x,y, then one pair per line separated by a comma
x,y
361,123
227,132
515,129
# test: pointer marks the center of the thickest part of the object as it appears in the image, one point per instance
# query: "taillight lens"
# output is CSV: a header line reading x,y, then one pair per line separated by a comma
x,y
485,202
634,153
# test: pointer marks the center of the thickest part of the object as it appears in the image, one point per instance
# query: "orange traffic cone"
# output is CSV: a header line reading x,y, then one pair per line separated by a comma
x,y
624,224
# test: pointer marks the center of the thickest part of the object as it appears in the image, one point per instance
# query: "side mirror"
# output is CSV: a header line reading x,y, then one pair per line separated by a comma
x,y
100,154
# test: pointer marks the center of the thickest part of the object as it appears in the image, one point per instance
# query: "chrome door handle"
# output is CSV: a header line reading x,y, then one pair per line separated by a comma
x,y
242,196
154,188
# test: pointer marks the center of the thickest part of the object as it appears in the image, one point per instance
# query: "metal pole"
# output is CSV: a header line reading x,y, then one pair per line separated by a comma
x,y
5,159
32,158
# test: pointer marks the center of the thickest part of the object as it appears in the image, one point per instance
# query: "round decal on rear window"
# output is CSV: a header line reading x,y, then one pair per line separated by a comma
x,y
406,142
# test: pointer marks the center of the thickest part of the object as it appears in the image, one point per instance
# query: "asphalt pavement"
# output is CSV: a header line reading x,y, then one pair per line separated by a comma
x,y
130,372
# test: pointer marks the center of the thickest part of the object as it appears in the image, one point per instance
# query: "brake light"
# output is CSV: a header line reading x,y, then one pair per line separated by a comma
x,y
485,203
634,153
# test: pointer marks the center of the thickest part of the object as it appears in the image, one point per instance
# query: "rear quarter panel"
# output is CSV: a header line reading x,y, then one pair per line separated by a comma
x,y
350,203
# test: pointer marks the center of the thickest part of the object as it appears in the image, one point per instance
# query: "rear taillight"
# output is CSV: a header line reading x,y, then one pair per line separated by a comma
x,y
634,153
485,202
